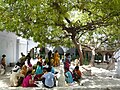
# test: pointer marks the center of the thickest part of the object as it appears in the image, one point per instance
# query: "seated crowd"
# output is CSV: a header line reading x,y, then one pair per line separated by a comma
x,y
26,75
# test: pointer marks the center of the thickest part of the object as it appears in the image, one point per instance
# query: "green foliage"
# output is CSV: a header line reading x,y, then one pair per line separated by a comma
x,y
47,20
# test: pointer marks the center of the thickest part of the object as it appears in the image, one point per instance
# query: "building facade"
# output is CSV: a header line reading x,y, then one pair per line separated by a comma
x,y
11,45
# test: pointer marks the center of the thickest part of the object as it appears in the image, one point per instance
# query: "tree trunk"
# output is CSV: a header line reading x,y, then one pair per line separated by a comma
x,y
81,54
79,48
93,56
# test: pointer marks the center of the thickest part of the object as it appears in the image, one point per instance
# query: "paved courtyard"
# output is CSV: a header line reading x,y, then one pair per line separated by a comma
x,y
94,82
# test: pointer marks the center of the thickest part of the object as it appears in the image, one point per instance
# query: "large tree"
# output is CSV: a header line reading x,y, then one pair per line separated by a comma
x,y
100,40
58,21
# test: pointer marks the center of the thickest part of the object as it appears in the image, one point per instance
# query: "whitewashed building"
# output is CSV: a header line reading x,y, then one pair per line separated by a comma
x,y
11,45
8,46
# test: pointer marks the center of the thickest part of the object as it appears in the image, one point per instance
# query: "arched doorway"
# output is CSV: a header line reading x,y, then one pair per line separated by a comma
x,y
60,51
98,58
73,53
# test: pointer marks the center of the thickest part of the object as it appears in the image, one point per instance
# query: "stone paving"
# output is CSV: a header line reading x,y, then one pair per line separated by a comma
x,y
4,79
88,83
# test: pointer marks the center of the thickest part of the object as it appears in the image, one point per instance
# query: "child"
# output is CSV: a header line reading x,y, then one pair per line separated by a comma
x,y
3,61
2,70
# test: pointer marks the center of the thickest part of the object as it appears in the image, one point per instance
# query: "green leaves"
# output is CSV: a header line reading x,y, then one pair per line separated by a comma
x,y
46,20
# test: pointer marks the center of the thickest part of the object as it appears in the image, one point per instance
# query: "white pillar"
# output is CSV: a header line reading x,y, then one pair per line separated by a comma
x,y
108,57
104,57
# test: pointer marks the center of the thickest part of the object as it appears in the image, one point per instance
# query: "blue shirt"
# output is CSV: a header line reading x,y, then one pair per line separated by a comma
x,y
52,70
49,79
68,77
39,70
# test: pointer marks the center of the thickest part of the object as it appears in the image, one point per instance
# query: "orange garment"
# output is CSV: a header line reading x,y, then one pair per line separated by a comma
x,y
78,72
24,70
56,59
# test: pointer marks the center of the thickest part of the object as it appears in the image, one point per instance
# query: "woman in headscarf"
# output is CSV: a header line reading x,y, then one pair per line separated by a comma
x,y
23,73
56,59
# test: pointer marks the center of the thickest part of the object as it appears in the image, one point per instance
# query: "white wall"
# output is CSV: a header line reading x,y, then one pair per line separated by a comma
x,y
8,46
12,46
31,45
117,65
117,55
21,47
24,46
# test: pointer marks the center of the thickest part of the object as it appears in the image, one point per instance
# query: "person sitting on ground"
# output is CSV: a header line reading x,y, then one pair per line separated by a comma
x,y
23,73
52,68
15,75
40,59
48,78
23,70
22,59
28,64
68,76
28,81
39,70
16,67
72,66
77,74
45,64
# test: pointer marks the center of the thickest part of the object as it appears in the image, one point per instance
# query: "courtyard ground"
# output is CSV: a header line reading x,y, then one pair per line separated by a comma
x,y
100,79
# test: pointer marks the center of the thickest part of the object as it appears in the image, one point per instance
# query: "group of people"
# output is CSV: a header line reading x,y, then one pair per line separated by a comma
x,y
26,74
54,58
72,72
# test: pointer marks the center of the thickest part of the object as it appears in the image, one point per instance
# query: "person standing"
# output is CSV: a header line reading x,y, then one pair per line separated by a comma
x,y
49,56
56,58
67,61
3,61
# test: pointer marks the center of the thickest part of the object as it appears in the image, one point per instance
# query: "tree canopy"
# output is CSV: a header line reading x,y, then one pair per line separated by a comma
x,y
61,21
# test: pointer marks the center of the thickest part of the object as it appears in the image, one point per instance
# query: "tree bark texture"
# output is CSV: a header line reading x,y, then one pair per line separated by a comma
x,y
79,48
